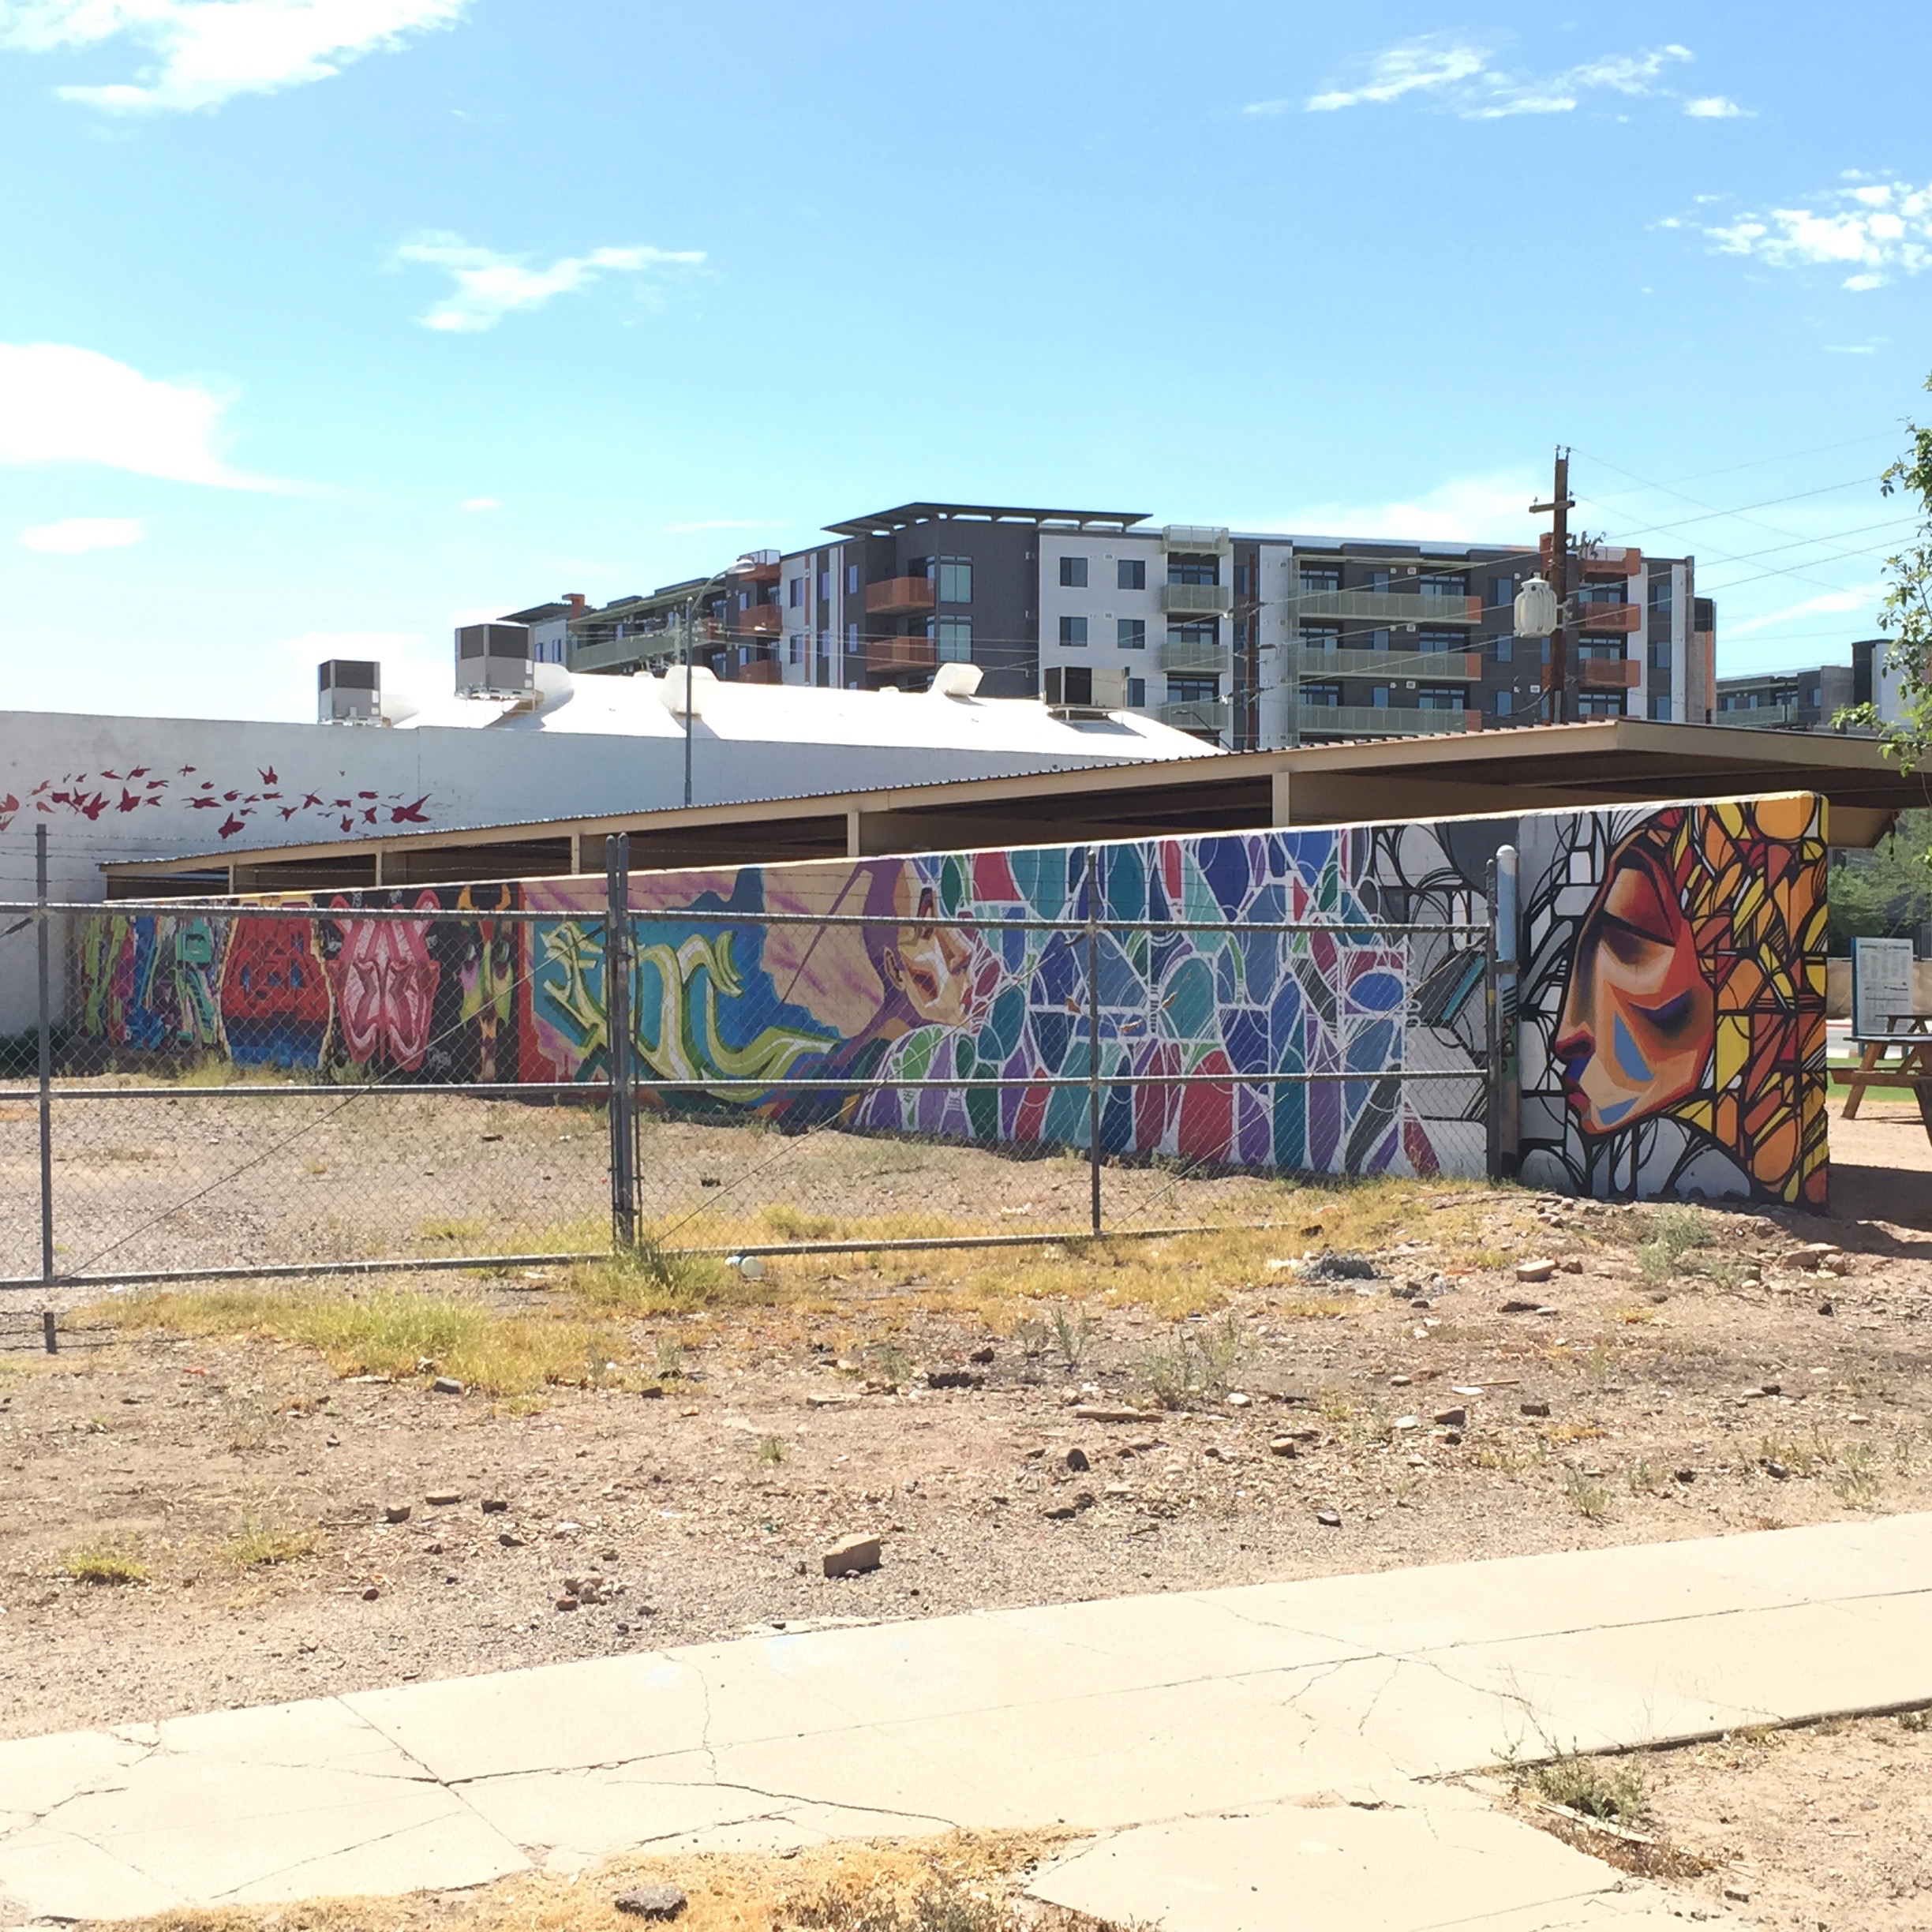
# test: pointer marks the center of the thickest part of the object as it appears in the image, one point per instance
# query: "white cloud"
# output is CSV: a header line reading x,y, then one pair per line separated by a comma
x,y
489,285
62,404
1713,107
480,502
1830,604
1876,231
207,51
74,536
1462,77
1466,510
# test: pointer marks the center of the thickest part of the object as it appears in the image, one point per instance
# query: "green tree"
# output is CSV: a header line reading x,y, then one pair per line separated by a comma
x,y
1906,615
1885,893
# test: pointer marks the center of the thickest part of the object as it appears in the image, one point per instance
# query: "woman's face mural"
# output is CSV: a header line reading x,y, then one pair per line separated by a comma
x,y
1636,1030
946,974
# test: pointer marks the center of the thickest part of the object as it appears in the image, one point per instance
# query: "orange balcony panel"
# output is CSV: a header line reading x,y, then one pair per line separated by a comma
x,y
901,653
760,620
1609,674
759,671
760,574
899,595
1608,563
1619,617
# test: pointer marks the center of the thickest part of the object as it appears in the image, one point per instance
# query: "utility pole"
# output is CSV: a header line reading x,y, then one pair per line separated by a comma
x,y
1562,503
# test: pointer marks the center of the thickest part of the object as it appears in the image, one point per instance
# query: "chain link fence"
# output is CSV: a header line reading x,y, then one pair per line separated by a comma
x,y
506,1076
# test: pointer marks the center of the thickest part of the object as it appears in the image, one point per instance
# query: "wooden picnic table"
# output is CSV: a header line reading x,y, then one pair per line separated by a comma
x,y
1911,1032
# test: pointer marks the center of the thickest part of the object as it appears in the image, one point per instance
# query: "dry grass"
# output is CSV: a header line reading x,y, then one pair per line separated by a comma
x,y
100,1562
258,1544
977,1876
395,1332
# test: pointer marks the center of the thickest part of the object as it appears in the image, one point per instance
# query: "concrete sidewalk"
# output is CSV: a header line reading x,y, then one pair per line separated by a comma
x,y
1232,1751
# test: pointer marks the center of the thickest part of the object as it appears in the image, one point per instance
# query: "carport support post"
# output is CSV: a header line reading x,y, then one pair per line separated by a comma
x,y
1493,1036
1093,1031
41,939
617,1038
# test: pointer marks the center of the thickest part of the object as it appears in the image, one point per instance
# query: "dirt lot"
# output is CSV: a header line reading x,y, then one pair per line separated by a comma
x,y
640,1460
1827,1826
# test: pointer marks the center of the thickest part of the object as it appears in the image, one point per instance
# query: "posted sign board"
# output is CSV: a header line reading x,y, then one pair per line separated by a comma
x,y
1881,985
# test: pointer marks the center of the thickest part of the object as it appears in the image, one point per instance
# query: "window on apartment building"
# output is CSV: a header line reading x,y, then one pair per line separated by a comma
x,y
795,593
955,639
1193,690
1601,592
1130,574
1192,568
795,646
1321,637
1243,581
1502,593
1443,583
1660,707
1442,698
1378,697
852,580
956,580
1506,650
1441,640
1661,656
1136,693
1503,702
1817,696
1376,581
1329,694
1599,704
825,586
1660,595
1130,633
1319,577
1072,633
1073,573
851,639
1378,640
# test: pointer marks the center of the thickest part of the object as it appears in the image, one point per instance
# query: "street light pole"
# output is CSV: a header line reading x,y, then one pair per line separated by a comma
x,y
691,602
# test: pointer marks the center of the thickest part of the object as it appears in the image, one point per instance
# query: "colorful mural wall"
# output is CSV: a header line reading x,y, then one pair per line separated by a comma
x,y
1673,1030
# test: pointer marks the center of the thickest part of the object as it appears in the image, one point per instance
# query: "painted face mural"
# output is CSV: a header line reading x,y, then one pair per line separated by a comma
x,y
946,975
385,990
1636,1030
275,996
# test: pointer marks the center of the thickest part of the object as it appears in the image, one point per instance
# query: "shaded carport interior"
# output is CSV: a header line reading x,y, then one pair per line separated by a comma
x,y
1600,762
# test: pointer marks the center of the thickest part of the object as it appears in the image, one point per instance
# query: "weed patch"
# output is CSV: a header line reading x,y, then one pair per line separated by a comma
x,y
1191,1370
100,1562
259,1544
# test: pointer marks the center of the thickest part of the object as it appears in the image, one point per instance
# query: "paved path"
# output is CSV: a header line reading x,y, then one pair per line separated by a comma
x,y
1247,1758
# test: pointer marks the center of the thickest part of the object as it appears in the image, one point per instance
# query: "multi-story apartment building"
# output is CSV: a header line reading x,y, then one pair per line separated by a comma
x,y
1811,700
1252,640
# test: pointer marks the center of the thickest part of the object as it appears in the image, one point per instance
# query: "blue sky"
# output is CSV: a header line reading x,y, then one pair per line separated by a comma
x,y
328,323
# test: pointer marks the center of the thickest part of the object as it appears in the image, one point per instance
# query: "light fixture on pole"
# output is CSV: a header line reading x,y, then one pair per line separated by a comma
x,y
736,567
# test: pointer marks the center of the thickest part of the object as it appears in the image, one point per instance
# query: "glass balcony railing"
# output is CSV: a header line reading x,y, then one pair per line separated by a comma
x,y
1376,721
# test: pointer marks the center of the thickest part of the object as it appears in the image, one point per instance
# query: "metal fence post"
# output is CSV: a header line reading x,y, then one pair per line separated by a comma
x,y
617,1038
1493,1038
1093,1031
1505,942
42,938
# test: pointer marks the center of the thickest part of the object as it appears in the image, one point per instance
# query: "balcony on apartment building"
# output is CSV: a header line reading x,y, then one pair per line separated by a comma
x,y
762,567
1380,721
1765,717
758,620
1193,654
1597,619
1384,608
898,597
1192,600
757,670
1455,667
1609,674
901,653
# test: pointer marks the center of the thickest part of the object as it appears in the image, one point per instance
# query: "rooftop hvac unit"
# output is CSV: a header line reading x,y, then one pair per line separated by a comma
x,y
1081,688
494,659
348,691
